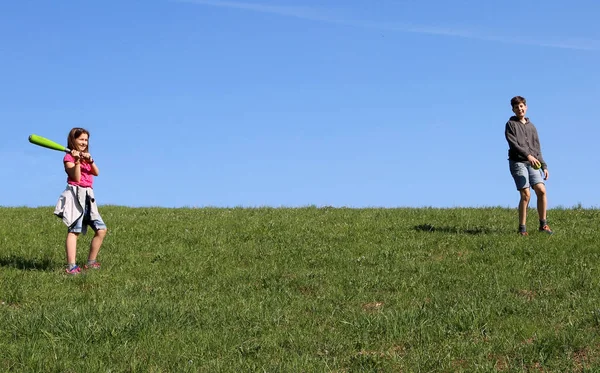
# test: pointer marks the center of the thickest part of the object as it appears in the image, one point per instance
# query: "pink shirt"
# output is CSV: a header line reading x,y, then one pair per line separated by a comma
x,y
87,179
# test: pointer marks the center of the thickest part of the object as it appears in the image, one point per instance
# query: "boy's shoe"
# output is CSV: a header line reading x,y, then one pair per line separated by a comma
x,y
94,265
73,271
546,229
523,233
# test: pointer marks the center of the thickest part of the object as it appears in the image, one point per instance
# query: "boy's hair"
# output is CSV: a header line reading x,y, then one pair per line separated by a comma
x,y
517,100
75,133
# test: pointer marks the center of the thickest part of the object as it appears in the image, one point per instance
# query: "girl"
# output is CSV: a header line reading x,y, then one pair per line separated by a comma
x,y
77,205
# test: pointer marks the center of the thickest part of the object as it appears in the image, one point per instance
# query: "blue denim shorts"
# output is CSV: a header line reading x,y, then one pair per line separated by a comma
x,y
524,175
80,226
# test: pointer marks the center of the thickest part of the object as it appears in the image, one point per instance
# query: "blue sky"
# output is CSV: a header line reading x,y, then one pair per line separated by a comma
x,y
377,103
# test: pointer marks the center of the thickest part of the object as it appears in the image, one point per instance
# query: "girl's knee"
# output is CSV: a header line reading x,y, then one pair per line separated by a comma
x,y
101,233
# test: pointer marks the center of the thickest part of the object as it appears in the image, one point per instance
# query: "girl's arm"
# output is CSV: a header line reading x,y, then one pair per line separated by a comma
x,y
88,159
95,170
73,169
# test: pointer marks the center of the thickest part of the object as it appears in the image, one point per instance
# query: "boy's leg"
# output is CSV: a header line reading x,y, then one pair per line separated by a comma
x,y
523,204
520,174
542,205
71,247
96,243
542,202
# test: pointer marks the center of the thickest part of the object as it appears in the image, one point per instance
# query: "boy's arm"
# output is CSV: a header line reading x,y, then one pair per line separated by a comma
x,y
539,150
511,136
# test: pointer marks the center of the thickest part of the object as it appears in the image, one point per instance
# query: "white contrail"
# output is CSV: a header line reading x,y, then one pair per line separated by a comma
x,y
289,11
319,15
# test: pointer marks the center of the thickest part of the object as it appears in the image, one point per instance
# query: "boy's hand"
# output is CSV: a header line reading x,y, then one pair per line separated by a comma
x,y
534,161
546,174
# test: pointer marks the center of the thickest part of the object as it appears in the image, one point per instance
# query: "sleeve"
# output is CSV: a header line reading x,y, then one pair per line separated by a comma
x,y
511,136
539,150
68,158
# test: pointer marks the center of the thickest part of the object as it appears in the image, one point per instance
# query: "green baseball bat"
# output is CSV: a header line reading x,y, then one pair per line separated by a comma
x,y
44,142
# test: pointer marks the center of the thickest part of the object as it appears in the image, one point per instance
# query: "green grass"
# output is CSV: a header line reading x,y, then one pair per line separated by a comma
x,y
303,290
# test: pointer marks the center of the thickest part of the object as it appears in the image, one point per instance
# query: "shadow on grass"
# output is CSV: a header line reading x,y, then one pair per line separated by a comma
x,y
455,230
27,264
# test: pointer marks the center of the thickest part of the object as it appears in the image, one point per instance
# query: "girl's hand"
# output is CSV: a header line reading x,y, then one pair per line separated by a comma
x,y
75,154
86,156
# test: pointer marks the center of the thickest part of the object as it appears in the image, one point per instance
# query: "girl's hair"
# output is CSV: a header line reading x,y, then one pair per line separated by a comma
x,y
75,133
517,100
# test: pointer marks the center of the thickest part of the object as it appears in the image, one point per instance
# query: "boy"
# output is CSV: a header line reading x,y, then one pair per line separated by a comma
x,y
525,159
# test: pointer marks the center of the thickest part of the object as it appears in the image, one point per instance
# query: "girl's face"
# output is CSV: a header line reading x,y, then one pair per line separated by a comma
x,y
82,142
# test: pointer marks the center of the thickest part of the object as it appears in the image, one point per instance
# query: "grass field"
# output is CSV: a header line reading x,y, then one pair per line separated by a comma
x,y
303,290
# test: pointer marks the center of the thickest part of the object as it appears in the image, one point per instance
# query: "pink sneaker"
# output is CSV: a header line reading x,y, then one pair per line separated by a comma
x,y
73,271
94,265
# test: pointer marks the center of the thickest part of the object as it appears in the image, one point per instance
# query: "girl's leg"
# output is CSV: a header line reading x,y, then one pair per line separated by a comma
x,y
96,243
71,247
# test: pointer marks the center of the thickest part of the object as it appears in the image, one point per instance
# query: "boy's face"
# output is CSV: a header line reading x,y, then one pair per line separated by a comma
x,y
520,110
